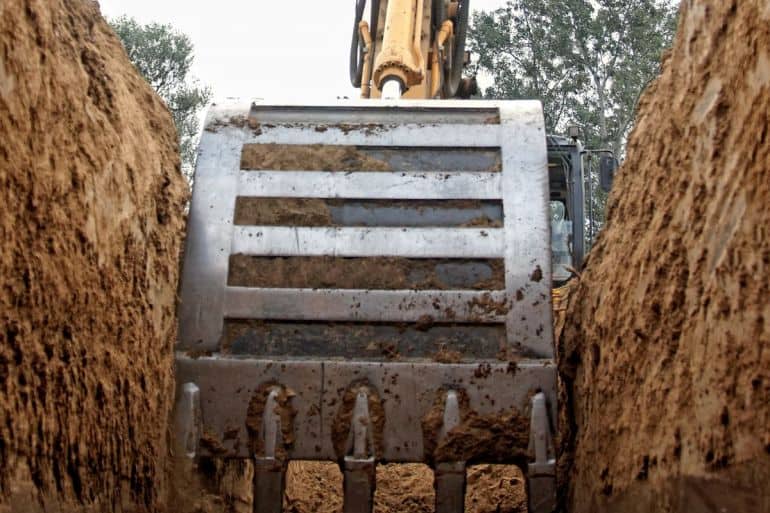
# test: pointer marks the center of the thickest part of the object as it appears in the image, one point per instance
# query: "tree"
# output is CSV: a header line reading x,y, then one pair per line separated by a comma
x,y
513,46
587,60
163,55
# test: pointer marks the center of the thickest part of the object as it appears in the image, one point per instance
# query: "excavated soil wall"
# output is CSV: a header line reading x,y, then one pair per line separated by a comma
x,y
91,219
666,350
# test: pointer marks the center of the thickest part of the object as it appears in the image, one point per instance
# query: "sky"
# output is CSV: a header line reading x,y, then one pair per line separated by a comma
x,y
287,49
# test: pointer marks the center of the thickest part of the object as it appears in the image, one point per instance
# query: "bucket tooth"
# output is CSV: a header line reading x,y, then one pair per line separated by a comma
x,y
188,416
541,475
359,472
269,475
269,470
450,476
450,487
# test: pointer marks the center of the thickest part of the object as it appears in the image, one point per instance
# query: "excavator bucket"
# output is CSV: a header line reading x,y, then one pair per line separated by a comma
x,y
369,282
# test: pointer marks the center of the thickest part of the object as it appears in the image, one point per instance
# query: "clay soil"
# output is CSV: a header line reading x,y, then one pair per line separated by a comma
x,y
665,350
91,221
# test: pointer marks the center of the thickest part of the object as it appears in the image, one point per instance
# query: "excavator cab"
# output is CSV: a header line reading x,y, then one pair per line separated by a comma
x,y
369,281
571,193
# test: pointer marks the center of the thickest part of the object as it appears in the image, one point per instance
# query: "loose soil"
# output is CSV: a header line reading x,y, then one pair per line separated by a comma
x,y
313,487
382,273
290,157
665,349
282,212
254,211
91,219
495,488
490,438
316,487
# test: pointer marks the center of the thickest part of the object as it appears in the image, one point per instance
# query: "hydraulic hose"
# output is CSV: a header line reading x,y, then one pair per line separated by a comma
x,y
452,82
438,15
356,54
356,51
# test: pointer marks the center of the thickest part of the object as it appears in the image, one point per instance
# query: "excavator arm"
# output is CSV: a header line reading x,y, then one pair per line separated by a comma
x,y
413,49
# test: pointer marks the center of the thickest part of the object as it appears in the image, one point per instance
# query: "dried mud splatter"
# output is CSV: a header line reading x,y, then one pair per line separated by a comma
x,y
284,410
343,420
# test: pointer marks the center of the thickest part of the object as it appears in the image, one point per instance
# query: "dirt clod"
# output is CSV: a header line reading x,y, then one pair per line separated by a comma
x,y
489,438
211,443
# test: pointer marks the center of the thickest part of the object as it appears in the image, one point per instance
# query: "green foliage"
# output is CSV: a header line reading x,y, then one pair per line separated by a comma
x,y
588,61
163,55
513,45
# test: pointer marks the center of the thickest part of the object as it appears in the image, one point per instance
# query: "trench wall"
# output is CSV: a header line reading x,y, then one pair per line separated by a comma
x,y
666,350
91,221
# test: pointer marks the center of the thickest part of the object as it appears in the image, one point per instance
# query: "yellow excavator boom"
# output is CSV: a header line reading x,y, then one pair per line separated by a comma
x,y
413,49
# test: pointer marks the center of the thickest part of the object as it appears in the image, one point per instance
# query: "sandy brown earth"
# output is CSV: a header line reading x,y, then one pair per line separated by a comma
x,y
287,157
91,217
666,347
316,487
495,489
